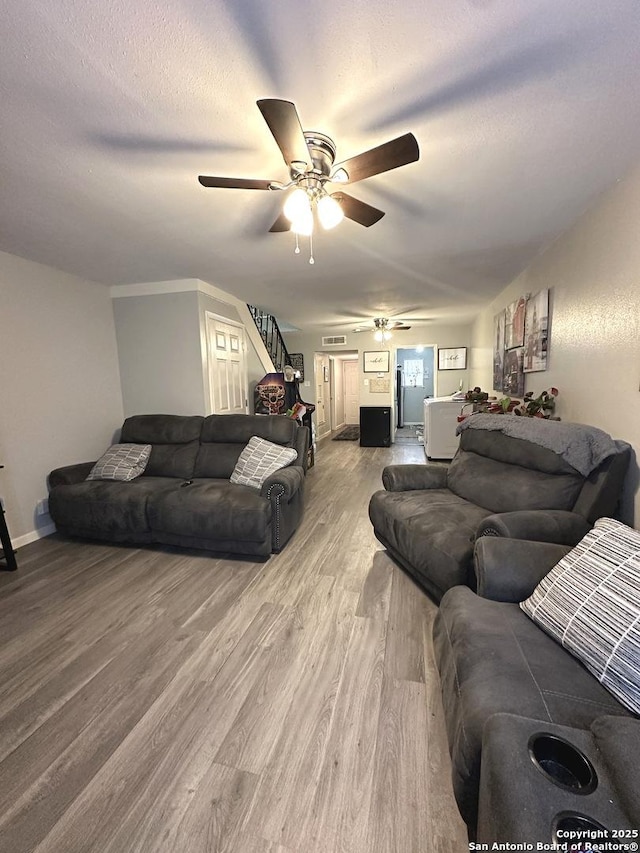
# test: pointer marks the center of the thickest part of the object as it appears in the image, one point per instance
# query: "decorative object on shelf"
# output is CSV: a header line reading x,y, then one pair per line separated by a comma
x,y
453,358
542,406
376,362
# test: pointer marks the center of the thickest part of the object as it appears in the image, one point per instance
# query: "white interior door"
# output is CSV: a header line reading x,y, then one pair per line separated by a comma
x,y
228,385
322,386
351,371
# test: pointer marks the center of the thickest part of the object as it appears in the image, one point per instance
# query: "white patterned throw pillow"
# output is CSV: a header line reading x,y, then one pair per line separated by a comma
x,y
590,602
259,459
121,462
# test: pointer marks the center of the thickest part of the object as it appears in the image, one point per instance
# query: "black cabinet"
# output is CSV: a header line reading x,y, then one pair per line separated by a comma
x,y
375,426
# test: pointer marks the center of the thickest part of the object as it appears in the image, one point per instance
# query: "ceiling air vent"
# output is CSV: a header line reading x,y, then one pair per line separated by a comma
x,y
334,340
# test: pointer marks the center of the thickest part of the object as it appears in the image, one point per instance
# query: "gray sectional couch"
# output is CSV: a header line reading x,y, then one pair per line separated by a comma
x,y
504,682
185,496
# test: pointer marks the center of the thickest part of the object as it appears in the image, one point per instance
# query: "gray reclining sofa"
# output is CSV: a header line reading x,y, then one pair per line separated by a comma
x,y
185,496
506,682
526,478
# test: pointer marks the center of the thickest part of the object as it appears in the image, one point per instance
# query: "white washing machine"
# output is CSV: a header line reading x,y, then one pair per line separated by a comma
x,y
440,424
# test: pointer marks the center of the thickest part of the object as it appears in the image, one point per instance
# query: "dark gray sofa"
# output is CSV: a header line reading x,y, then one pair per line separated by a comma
x,y
185,496
495,664
429,516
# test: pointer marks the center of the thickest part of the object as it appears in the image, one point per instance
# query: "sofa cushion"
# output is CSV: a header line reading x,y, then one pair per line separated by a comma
x,y
433,530
174,440
106,508
501,486
224,437
590,602
259,460
493,659
121,462
212,509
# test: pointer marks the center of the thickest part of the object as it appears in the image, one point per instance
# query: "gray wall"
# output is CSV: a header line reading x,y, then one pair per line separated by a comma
x,y
159,353
60,399
594,343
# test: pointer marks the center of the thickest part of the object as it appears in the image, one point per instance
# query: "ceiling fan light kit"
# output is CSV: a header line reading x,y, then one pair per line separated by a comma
x,y
310,158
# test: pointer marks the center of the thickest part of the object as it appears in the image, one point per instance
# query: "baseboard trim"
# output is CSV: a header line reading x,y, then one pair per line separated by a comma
x,y
34,535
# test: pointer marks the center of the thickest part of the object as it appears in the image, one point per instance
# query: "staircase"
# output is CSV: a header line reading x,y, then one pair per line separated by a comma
x,y
272,337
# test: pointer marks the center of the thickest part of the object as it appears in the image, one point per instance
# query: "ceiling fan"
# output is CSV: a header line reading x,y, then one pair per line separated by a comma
x,y
382,328
310,158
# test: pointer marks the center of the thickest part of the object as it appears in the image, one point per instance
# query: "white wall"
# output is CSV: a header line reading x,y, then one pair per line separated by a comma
x,y
60,399
593,272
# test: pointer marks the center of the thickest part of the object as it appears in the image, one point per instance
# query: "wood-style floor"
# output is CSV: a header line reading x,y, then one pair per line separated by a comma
x,y
162,700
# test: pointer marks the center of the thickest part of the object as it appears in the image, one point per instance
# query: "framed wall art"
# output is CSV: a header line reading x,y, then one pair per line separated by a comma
x,y
514,323
454,358
376,362
498,351
536,327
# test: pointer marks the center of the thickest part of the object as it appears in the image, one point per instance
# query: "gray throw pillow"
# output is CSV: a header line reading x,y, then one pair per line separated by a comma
x,y
259,459
121,462
590,602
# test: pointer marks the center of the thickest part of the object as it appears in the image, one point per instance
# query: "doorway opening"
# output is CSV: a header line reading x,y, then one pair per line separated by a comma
x,y
414,382
337,380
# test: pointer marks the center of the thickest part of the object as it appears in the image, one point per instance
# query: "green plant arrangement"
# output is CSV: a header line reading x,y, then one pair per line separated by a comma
x,y
542,406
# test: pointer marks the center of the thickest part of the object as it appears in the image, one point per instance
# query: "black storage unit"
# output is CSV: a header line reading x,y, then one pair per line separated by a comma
x,y
375,426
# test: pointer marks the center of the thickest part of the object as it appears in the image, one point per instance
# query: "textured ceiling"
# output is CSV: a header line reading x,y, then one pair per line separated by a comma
x,y
524,110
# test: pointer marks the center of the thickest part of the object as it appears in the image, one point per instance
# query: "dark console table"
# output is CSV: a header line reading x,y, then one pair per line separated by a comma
x,y
7,554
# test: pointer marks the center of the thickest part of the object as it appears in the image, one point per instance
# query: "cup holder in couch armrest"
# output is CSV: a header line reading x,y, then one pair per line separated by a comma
x,y
562,763
573,826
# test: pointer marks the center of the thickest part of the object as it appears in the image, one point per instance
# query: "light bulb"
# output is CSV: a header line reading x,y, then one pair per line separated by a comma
x,y
381,336
296,205
329,212
303,223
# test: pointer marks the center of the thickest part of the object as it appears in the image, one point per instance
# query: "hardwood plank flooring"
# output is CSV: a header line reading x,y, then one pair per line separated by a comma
x,y
157,700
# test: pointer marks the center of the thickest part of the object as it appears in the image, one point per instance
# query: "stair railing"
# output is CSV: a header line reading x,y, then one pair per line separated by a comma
x,y
267,325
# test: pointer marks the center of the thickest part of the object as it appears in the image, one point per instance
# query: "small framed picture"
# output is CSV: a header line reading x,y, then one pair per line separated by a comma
x,y
325,373
452,359
376,362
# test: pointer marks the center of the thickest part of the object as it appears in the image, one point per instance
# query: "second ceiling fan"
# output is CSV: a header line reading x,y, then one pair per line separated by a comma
x,y
314,180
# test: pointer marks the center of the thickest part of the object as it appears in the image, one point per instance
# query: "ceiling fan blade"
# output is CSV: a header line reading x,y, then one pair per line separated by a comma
x,y
281,224
237,183
398,326
358,210
390,155
284,123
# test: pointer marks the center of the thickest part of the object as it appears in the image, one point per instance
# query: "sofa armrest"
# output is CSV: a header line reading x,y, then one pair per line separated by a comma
x,y
70,474
406,478
541,525
510,569
618,741
283,484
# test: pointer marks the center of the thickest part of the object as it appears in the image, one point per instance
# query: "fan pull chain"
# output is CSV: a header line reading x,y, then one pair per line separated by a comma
x,y
311,258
